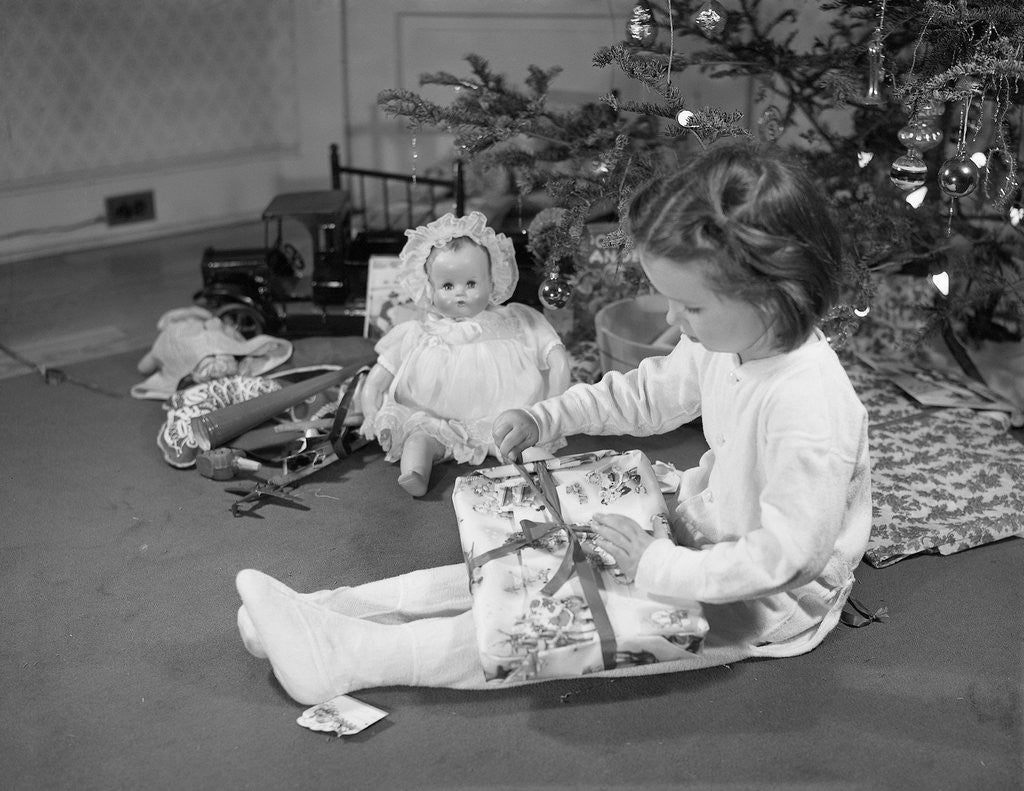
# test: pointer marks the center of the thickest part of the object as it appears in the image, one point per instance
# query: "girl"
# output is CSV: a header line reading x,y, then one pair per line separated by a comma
x,y
770,524
440,381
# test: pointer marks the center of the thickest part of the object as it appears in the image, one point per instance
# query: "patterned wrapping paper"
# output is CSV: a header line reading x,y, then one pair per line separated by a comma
x,y
524,633
175,440
948,481
883,400
943,480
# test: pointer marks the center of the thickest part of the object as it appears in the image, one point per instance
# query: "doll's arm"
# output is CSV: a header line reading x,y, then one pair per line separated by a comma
x,y
374,387
558,373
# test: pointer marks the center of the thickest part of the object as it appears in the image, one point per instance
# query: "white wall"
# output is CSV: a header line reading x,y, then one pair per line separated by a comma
x,y
218,105
215,105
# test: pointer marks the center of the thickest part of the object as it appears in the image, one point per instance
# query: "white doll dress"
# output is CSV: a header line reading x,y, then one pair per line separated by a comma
x,y
453,377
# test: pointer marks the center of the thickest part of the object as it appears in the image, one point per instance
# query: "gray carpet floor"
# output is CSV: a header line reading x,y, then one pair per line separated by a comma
x,y
122,668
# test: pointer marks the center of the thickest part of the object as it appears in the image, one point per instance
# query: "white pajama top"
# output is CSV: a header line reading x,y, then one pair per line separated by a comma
x,y
776,516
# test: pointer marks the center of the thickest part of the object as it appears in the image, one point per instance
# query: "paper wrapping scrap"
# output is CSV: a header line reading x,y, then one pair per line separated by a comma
x,y
517,551
341,715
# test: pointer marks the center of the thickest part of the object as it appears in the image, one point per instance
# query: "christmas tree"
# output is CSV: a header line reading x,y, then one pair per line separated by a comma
x,y
910,112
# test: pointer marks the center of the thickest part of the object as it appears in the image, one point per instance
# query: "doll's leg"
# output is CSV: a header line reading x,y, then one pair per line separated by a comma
x,y
419,452
317,653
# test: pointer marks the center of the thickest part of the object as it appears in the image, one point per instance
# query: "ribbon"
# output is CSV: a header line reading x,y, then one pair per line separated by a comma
x,y
574,561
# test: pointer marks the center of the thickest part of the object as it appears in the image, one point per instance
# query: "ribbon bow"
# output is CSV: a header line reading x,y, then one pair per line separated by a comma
x,y
574,561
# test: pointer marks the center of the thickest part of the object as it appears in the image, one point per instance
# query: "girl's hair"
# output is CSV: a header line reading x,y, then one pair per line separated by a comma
x,y
758,224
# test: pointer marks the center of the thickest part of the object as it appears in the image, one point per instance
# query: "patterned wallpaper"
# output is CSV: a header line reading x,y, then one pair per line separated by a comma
x,y
100,87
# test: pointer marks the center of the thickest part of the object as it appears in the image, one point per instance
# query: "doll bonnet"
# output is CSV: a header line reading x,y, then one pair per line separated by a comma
x,y
423,240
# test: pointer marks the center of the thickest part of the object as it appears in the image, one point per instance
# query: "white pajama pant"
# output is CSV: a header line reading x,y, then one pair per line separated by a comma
x,y
416,629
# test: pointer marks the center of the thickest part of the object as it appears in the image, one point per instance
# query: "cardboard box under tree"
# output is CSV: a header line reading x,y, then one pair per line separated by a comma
x,y
547,602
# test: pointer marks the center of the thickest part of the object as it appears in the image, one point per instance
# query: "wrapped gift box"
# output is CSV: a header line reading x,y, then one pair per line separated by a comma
x,y
550,604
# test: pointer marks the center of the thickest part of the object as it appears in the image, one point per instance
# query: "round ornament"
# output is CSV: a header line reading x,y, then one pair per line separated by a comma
x,y
600,165
909,171
710,18
554,293
642,28
769,125
958,176
920,136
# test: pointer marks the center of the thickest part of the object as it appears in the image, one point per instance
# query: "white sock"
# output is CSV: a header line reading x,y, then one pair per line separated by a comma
x,y
250,637
317,653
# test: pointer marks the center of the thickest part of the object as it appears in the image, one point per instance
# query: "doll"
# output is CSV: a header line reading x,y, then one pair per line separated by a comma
x,y
442,378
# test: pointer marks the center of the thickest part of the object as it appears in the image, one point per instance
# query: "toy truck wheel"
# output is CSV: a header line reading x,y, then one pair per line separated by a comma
x,y
246,319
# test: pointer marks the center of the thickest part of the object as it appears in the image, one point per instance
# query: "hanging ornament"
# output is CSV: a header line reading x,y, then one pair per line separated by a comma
x,y
873,93
876,70
920,136
928,109
769,125
415,157
958,176
909,171
683,117
1001,181
600,165
710,18
642,28
554,292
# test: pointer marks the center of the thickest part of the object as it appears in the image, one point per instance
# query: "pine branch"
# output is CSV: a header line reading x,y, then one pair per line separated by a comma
x,y
590,158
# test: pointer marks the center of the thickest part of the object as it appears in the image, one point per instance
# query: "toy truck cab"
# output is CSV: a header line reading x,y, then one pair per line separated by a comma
x,y
365,213
264,289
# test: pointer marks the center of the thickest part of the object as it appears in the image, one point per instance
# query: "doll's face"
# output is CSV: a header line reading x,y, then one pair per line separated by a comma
x,y
461,281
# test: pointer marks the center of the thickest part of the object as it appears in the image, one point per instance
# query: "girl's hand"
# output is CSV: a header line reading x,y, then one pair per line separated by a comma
x,y
623,539
514,431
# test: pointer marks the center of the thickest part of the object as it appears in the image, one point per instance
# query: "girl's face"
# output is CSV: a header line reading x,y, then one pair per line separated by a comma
x,y
461,281
717,322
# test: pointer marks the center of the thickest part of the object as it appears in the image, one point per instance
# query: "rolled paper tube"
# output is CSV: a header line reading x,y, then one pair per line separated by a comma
x,y
221,425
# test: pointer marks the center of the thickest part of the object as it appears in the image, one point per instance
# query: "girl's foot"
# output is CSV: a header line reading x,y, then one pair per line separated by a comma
x,y
250,637
301,639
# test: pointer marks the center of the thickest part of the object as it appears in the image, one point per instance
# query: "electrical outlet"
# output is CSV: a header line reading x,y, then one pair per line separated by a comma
x,y
133,207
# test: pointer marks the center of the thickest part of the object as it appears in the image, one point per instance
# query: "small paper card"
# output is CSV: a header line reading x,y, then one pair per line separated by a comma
x,y
387,302
342,715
